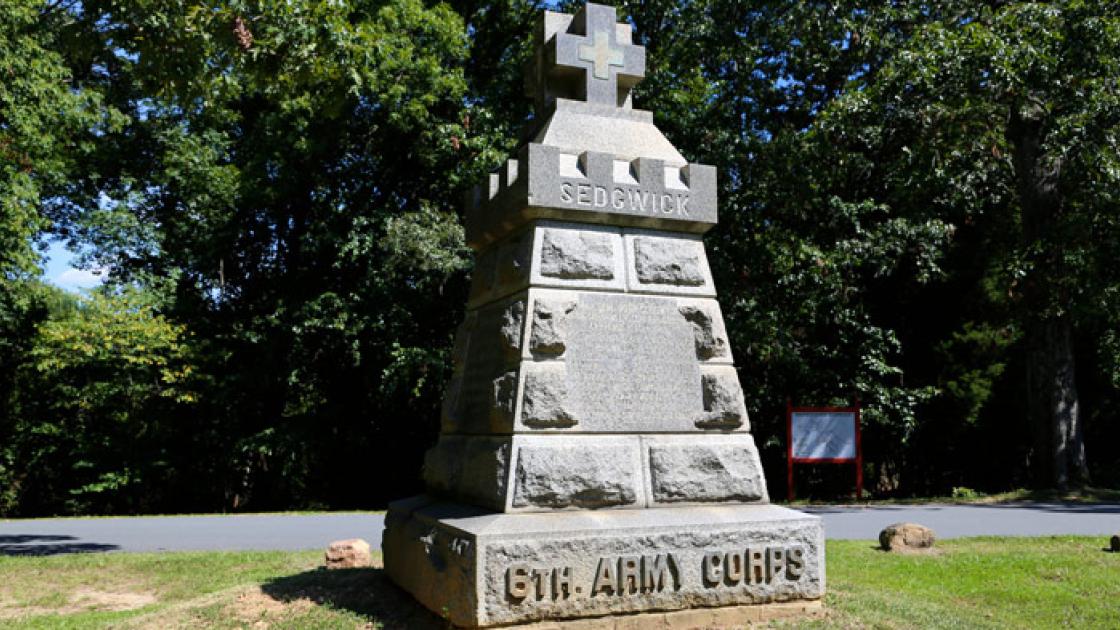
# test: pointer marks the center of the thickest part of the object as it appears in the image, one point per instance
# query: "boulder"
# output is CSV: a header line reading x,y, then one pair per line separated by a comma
x,y
348,554
906,537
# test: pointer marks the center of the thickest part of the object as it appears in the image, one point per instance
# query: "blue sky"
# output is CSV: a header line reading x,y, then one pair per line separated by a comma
x,y
60,271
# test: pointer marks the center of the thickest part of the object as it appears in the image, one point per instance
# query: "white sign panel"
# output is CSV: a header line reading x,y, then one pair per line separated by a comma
x,y
824,435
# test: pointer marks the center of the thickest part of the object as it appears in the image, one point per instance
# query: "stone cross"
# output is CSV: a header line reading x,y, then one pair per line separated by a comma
x,y
610,68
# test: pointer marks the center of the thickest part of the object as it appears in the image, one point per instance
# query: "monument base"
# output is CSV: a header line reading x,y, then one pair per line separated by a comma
x,y
478,568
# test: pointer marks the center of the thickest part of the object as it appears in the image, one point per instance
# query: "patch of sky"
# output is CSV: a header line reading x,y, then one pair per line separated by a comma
x,y
60,270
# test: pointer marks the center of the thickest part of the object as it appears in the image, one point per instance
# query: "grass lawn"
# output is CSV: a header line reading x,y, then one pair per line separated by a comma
x,y
1057,582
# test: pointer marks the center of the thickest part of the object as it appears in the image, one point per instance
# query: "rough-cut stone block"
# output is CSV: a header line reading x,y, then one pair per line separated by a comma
x,y
662,262
549,328
483,278
708,469
668,261
724,407
480,569
469,468
576,473
487,393
514,257
545,402
577,254
707,328
352,553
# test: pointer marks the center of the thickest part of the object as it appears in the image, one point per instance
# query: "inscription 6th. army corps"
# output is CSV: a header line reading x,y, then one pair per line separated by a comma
x,y
652,573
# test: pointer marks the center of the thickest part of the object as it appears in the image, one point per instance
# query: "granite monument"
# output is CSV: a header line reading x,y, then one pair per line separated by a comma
x,y
595,455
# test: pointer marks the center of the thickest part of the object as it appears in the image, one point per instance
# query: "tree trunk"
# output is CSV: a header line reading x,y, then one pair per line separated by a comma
x,y
1053,405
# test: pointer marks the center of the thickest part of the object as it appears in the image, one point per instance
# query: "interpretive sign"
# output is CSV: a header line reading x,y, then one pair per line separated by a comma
x,y
823,435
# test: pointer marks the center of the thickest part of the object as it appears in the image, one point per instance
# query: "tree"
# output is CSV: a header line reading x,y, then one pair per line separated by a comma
x,y
105,397
1004,120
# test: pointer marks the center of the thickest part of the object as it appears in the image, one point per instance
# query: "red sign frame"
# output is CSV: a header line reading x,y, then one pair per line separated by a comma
x,y
790,460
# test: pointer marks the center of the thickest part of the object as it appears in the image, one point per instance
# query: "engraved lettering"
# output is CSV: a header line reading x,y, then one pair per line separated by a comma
x,y
713,571
654,569
756,566
628,579
682,205
641,196
517,581
795,562
617,199
566,192
774,561
733,568
667,204
540,581
604,577
583,194
600,197
562,583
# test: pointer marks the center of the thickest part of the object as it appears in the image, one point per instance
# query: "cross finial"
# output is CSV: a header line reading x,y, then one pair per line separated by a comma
x,y
588,56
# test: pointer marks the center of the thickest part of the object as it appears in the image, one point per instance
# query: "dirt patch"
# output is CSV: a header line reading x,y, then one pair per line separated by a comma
x,y
92,599
254,607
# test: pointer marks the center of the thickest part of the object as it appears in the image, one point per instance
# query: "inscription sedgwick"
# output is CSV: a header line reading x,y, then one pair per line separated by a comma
x,y
629,200
639,575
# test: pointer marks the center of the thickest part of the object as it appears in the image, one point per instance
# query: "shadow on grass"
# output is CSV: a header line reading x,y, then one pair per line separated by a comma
x,y
47,545
367,592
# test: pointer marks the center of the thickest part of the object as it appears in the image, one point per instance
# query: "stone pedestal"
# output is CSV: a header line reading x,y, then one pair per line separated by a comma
x,y
480,568
595,454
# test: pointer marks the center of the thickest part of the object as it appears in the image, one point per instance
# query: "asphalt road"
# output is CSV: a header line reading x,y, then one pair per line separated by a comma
x,y
315,531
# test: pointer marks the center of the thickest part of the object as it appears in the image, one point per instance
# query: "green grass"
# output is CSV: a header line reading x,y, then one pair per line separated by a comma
x,y
1056,582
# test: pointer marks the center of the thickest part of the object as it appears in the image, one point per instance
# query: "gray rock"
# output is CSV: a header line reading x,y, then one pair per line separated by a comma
x,y
549,324
906,537
724,407
574,475
669,261
705,472
544,402
351,553
577,254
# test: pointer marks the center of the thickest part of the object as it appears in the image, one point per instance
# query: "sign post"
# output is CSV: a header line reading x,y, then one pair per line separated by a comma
x,y
823,435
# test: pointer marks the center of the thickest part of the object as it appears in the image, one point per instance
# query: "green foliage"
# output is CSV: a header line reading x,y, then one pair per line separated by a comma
x,y
917,202
112,383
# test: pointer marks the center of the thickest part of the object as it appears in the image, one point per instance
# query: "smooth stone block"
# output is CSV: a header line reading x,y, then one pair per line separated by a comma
x,y
482,569
631,363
